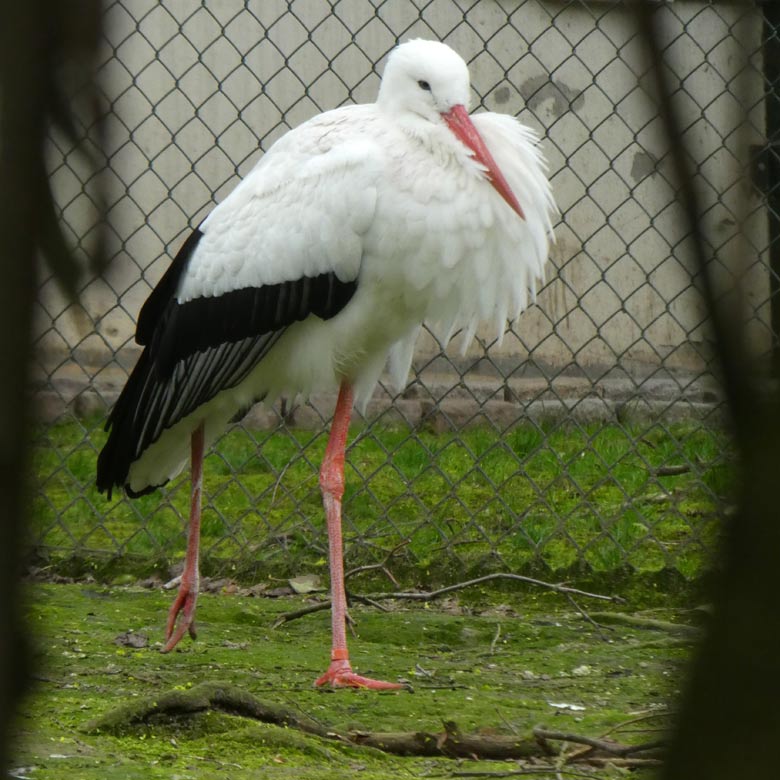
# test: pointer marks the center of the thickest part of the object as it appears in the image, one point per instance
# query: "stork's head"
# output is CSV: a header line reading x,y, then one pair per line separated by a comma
x,y
427,82
426,78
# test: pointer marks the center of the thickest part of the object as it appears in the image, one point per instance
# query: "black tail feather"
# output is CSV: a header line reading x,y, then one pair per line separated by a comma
x,y
113,465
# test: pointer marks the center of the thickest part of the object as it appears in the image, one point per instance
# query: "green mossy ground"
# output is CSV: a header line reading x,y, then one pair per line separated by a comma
x,y
545,655
589,503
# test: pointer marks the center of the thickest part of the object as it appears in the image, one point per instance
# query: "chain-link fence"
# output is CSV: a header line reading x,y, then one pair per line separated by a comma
x,y
592,436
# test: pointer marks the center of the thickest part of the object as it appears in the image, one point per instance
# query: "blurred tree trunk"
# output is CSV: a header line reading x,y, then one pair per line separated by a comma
x,y
22,117
728,722
37,38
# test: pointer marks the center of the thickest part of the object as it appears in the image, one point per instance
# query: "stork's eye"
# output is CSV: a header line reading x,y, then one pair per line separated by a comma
x,y
424,85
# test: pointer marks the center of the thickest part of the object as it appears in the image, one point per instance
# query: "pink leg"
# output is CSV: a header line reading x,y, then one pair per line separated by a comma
x,y
339,674
187,597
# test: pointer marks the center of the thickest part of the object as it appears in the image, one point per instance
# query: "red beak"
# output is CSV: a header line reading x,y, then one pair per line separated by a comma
x,y
459,121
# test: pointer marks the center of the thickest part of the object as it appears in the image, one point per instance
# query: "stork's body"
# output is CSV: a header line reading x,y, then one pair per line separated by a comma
x,y
317,272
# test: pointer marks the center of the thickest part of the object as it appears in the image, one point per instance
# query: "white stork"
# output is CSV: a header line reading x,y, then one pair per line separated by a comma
x,y
318,270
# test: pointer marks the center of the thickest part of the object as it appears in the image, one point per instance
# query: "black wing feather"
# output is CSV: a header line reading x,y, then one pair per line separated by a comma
x,y
203,323
196,349
157,302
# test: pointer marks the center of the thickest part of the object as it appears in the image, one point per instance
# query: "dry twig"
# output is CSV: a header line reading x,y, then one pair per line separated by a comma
x,y
495,639
651,623
575,755
589,619
381,566
555,587
612,749
426,596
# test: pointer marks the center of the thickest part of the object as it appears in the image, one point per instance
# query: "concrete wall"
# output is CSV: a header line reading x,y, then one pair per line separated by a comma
x,y
197,93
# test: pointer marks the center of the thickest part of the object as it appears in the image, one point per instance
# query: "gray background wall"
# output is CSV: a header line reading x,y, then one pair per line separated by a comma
x,y
196,92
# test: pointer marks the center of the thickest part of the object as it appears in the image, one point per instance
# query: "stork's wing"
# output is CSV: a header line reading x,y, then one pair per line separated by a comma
x,y
286,244
301,212
197,349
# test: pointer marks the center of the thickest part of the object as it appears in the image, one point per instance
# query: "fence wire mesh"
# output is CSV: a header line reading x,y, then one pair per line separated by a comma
x,y
591,437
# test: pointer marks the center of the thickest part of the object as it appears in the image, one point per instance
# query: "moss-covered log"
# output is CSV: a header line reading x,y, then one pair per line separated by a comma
x,y
228,698
208,695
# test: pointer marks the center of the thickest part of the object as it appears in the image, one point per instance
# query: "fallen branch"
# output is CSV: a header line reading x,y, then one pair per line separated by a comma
x,y
605,746
426,596
574,755
323,605
381,566
651,623
626,756
589,619
450,742
299,613
320,606
435,594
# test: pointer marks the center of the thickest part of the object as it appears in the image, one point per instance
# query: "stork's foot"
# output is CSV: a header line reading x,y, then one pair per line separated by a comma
x,y
184,603
340,675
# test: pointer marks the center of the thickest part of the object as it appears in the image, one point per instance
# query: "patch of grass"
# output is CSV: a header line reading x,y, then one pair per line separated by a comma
x,y
551,497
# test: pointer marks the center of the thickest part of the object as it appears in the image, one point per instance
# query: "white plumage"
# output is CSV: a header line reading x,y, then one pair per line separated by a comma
x,y
387,203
